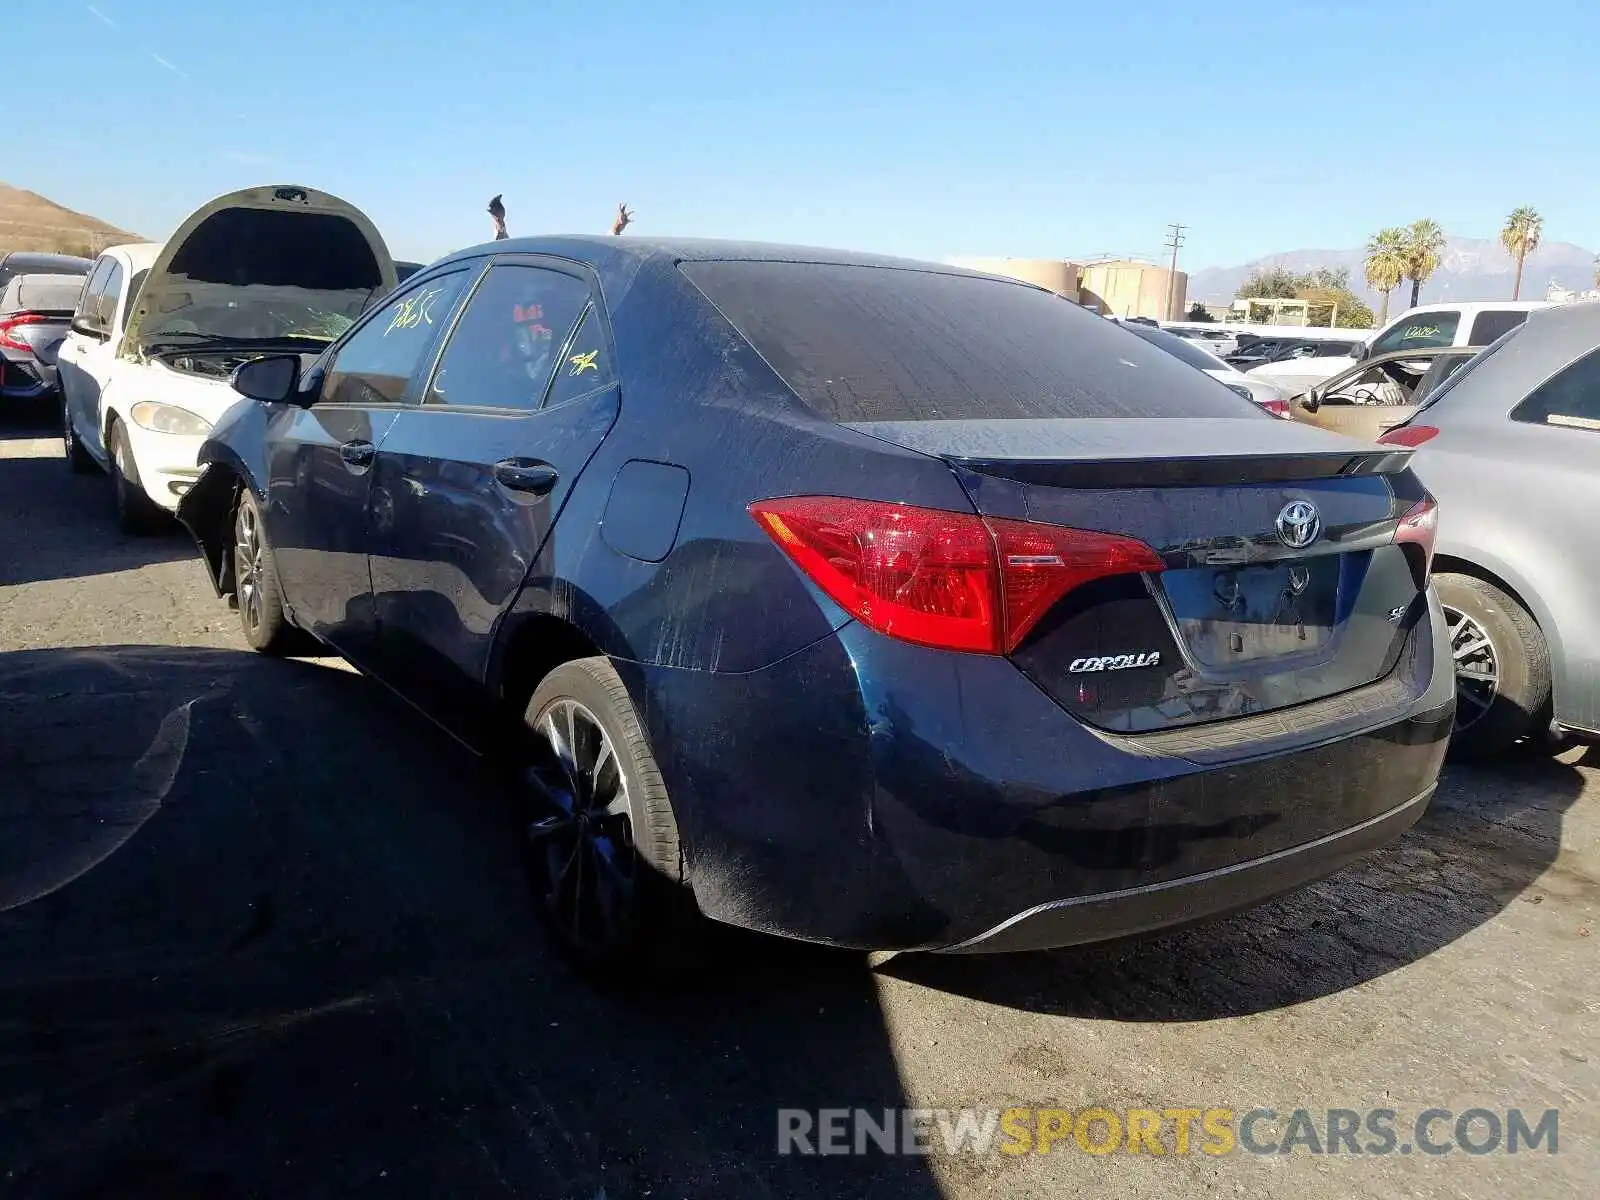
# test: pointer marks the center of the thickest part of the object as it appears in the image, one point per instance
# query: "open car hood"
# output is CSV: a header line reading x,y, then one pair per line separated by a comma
x,y
274,261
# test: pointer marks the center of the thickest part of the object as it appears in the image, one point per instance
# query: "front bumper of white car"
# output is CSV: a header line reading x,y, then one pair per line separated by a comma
x,y
166,462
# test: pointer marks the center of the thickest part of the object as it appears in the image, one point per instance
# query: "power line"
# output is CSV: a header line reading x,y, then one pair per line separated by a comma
x,y
1174,240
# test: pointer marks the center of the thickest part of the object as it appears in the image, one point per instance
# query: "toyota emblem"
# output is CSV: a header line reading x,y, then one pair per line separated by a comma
x,y
1299,524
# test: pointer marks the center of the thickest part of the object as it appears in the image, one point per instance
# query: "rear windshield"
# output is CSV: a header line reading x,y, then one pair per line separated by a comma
x,y
42,293
859,343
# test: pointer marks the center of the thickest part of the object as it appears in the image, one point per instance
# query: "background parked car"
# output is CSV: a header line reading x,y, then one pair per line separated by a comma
x,y
1267,395
1299,365
1468,324
935,659
1218,341
1510,444
34,313
1378,393
30,262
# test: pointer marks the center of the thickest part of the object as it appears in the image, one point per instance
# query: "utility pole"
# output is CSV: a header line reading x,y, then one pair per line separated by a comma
x,y
1174,240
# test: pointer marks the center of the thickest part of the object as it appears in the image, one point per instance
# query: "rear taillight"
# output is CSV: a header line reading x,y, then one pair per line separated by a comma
x,y
1420,527
956,581
8,326
1278,408
1408,435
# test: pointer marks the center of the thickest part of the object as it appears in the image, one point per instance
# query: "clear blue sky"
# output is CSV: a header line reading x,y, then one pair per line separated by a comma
x,y
931,129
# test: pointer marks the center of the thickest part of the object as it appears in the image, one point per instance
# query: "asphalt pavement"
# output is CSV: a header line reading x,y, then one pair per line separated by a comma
x,y
263,933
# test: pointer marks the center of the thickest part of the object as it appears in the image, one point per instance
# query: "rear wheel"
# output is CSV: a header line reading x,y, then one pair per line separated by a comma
x,y
1502,666
266,625
600,841
79,460
136,512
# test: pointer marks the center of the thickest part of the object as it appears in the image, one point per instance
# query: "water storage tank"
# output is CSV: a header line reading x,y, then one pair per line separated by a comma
x,y
1130,288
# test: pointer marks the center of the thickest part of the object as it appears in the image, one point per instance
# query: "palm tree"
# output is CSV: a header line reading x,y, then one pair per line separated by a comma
x,y
1386,265
1424,244
1520,237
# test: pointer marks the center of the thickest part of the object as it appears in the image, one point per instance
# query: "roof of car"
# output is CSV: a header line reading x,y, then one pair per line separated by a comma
x,y
611,252
45,262
1548,340
141,256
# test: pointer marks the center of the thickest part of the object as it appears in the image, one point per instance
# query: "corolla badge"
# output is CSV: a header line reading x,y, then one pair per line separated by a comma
x,y
1299,523
1114,662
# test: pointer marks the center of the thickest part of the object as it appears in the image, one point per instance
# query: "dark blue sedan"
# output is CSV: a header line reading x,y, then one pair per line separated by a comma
x,y
865,601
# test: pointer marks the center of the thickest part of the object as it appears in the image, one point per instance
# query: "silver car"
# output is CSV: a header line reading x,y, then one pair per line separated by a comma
x,y
1510,445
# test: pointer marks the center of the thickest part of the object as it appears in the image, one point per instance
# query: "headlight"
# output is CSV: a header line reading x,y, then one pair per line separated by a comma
x,y
168,418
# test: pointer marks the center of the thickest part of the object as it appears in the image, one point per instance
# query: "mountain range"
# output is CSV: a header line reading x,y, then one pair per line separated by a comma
x,y
30,222
1472,269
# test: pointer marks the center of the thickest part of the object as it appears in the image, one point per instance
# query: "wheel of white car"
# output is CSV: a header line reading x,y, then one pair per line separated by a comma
x,y
136,512
79,460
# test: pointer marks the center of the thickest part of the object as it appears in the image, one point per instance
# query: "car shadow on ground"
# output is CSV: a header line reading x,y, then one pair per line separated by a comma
x,y
57,531
263,933
1490,832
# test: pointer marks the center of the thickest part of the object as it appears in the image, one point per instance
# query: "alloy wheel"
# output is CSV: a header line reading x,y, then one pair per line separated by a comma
x,y
1477,664
581,839
247,564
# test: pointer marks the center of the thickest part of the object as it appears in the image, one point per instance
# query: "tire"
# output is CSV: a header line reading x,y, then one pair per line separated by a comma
x,y
1491,717
137,514
266,624
622,908
79,460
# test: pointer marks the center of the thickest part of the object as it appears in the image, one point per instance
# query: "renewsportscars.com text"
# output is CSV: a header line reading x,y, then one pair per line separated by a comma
x,y
1166,1131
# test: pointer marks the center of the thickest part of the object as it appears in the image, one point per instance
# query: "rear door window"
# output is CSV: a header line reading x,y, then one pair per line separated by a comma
x,y
1487,326
866,343
504,349
1419,331
1570,398
586,365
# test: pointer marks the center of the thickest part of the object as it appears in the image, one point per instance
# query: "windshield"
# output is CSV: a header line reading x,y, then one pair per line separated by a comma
x,y
258,311
1180,348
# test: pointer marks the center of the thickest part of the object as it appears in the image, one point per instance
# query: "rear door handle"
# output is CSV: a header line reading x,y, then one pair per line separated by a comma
x,y
526,475
357,454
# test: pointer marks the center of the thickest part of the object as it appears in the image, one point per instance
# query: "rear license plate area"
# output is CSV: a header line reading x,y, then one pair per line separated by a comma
x,y
1231,616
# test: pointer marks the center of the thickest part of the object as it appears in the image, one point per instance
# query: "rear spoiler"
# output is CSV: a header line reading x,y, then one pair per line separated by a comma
x,y
1208,471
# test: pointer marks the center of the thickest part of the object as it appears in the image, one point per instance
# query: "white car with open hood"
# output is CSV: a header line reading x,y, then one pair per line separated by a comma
x,y
159,329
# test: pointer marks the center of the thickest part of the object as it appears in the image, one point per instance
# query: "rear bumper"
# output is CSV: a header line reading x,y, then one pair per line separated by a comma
x,y
870,794
25,378
1158,906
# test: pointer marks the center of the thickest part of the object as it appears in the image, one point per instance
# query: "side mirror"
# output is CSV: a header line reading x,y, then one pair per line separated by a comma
x,y
271,379
1360,351
1311,401
86,327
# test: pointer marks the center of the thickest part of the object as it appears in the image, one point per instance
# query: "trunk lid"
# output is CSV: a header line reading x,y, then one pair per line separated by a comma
x,y
279,261
1282,582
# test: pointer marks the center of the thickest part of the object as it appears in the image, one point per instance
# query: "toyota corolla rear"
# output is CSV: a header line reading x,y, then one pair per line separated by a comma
x,y
1111,648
